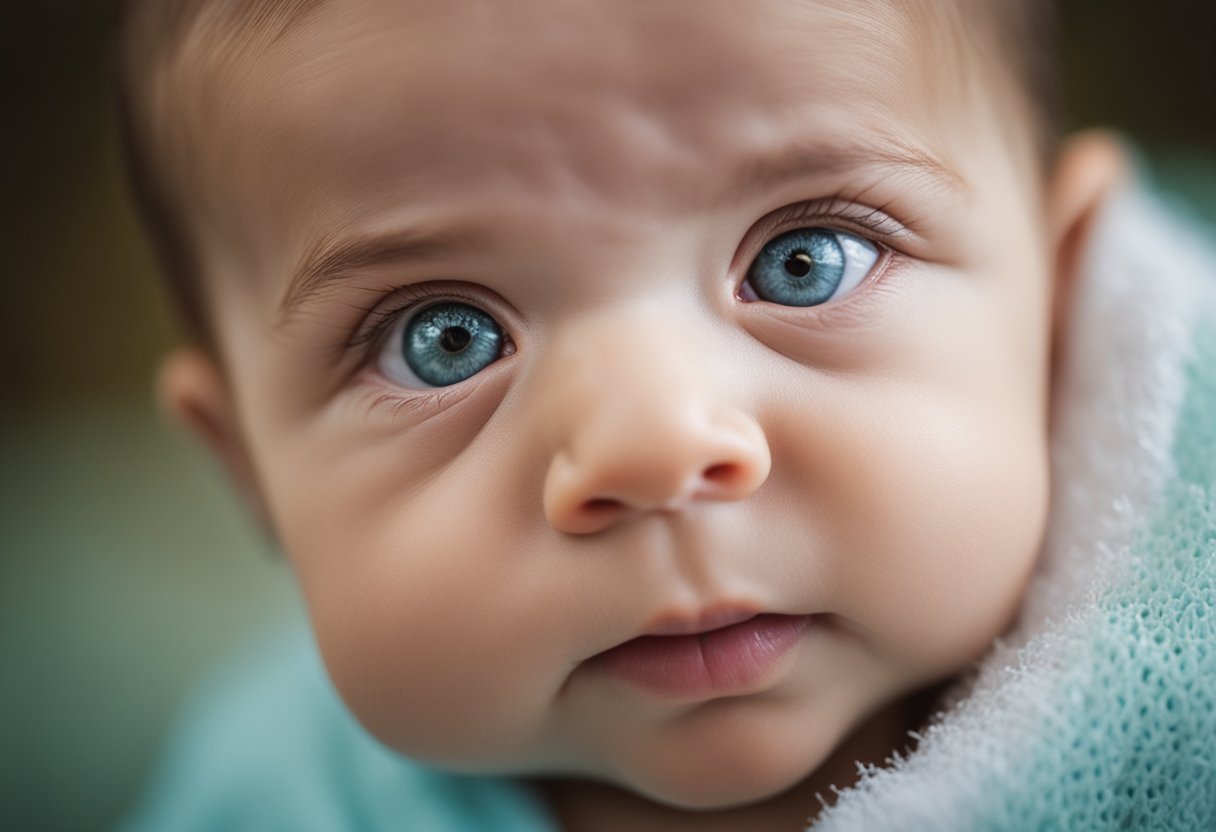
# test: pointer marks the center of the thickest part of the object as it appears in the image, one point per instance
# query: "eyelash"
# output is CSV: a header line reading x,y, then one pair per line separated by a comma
x,y
420,401
407,298
839,212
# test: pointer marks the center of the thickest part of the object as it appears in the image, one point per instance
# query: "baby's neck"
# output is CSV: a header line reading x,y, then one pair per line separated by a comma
x,y
586,806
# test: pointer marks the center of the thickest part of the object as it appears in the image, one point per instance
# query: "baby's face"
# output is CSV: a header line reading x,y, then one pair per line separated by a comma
x,y
552,325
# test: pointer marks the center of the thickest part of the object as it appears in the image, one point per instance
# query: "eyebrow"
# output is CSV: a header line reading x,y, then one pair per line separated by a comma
x,y
332,260
809,158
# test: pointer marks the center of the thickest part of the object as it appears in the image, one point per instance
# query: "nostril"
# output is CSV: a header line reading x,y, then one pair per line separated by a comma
x,y
721,472
602,505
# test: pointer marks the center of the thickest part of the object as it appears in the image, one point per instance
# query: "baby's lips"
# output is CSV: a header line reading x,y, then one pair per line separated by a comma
x,y
729,660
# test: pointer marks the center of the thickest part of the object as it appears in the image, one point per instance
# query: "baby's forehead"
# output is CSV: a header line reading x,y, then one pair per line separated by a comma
x,y
362,102
441,58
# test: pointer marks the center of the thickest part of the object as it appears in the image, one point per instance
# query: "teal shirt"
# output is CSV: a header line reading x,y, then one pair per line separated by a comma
x,y
266,744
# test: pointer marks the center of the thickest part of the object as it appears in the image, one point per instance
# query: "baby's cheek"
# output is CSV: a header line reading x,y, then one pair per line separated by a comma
x,y
420,620
956,495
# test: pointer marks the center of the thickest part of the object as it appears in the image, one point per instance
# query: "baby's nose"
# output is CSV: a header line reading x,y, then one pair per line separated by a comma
x,y
644,430
623,467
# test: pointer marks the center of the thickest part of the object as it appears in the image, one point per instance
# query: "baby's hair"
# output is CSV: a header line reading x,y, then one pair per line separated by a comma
x,y
154,37
158,38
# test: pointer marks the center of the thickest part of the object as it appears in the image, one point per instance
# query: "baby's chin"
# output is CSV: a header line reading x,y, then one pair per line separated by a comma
x,y
734,774
804,752
726,774
695,783
728,788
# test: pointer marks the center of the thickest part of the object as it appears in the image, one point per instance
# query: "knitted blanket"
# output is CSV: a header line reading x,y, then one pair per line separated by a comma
x,y
1098,711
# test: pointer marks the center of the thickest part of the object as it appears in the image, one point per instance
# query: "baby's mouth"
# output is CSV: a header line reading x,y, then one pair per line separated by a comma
x,y
673,661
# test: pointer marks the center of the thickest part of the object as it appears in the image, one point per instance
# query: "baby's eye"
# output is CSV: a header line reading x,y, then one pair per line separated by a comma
x,y
441,345
809,266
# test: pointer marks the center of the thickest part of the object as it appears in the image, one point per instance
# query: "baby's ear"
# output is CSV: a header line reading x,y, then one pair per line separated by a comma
x,y
192,391
1090,165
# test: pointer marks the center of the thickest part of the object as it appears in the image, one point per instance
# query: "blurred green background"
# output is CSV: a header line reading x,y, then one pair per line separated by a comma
x,y
125,566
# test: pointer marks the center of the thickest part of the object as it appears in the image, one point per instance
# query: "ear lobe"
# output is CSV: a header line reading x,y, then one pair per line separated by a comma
x,y
193,392
1090,166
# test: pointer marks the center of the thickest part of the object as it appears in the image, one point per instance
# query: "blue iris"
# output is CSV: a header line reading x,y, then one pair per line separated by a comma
x,y
802,267
449,342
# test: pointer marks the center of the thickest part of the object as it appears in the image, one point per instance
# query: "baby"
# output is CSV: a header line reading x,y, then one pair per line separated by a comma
x,y
650,398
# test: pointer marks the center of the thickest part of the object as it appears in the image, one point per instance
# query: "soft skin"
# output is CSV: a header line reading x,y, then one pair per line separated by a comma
x,y
654,442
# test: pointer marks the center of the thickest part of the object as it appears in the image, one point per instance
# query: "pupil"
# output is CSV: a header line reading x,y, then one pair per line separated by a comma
x,y
798,264
454,339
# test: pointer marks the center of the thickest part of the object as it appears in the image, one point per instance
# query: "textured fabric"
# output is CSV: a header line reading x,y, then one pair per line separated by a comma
x,y
1098,711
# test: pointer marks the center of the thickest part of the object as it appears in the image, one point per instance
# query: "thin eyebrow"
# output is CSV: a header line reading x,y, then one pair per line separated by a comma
x,y
798,160
331,260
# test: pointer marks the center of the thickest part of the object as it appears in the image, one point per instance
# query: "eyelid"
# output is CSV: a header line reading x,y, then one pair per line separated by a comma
x,y
834,213
404,299
413,297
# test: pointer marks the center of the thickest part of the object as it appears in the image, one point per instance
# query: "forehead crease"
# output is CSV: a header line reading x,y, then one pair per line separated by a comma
x,y
232,24
633,115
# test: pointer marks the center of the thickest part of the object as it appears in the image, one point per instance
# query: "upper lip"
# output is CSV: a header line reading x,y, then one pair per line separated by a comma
x,y
679,622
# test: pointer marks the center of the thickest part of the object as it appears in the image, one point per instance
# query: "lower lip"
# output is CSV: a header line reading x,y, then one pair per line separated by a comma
x,y
718,662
